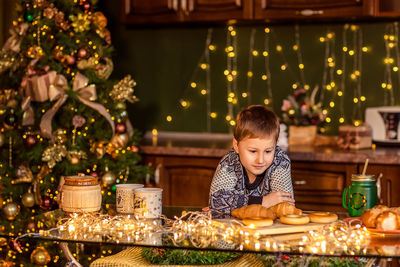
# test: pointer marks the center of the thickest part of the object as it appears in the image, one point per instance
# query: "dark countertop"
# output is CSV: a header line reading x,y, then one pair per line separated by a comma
x,y
216,145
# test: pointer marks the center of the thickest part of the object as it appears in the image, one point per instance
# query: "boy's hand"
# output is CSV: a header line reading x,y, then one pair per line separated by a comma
x,y
277,197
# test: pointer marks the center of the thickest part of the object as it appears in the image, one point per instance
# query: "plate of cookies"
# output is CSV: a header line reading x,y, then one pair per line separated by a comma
x,y
382,220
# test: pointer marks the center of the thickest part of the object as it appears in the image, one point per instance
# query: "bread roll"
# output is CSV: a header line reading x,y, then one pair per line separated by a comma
x,y
294,219
257,222
388,220
284,208
253,211
368,217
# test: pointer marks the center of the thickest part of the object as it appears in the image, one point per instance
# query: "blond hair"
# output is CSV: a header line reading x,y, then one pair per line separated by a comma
x,y
256,121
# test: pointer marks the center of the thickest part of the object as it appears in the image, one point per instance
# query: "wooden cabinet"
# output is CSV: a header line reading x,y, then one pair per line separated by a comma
x,y
150,11
178,11
211,10
302,9
185,180
319,186
389,182
172,11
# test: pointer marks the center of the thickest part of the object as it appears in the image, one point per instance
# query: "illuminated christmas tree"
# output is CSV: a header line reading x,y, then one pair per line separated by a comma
x,y
60,114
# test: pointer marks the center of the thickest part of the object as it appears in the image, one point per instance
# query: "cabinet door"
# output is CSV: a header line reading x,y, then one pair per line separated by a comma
x,y
150,11
186,180
319,186
390,183
301,9
212,10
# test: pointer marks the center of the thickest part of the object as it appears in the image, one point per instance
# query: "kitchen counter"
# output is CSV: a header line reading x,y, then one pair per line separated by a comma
x,y
185,163
216,145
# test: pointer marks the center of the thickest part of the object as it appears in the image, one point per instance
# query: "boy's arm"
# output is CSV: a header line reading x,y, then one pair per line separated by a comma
x,y
224,197
281,178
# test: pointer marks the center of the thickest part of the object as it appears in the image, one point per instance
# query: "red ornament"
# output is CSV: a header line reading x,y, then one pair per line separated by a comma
x,y
70,60
120,128
30,141
86,6
83,53
94,174
47,203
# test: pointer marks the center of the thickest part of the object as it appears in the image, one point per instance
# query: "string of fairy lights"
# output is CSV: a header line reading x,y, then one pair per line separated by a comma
x,y
339,79
198,229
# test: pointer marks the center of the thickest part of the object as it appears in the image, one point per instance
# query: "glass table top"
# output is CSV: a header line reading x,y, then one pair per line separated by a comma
x,y
189,228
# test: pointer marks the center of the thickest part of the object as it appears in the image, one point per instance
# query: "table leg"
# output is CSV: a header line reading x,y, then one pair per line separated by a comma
x,y
70,258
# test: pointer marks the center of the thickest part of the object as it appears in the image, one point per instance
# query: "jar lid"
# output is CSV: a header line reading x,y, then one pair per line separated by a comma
x,y
362,178
81,180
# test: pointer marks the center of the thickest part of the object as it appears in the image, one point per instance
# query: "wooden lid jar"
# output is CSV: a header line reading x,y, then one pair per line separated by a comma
x,y
81,194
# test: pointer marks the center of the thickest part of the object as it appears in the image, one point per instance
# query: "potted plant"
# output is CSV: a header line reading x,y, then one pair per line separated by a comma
x,y
303,116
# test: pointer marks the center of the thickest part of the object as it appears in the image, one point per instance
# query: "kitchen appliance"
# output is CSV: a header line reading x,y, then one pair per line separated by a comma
x,y
384,122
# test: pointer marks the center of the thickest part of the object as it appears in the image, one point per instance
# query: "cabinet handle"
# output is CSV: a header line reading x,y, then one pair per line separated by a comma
x,y
157,174
379,188
173,4
389,193
310,12
264,4
187,6
300,182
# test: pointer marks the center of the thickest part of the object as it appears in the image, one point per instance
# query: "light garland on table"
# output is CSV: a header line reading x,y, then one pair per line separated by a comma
x,y
197,229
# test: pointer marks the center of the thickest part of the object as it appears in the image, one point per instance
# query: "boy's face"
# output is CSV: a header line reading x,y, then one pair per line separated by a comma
x,y
256,154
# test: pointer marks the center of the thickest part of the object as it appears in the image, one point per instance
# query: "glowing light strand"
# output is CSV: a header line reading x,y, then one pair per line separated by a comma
x,y
299,56
250,66
267,68
388,88
343,73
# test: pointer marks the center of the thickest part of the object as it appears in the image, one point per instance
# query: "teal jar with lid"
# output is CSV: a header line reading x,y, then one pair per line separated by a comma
x,y
360,195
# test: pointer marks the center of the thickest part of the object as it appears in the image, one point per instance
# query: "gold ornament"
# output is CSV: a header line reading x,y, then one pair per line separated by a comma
x,y
40,256
75,157
11,210
60,136
60,21
24,174
99,20
80,22
99,149
28,199
35,52
50,11
123,90
117,141
53,154
8,60
104,71
86,63
108,178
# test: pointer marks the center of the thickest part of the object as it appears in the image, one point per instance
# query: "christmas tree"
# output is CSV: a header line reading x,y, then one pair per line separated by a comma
x,y
60,116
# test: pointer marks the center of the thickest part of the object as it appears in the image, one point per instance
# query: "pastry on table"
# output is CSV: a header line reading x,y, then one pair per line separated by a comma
x,y
285,208
388,220
368,217
253,211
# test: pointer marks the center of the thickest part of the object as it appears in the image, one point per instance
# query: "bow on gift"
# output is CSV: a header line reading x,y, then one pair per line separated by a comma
x,y
85,93
14,41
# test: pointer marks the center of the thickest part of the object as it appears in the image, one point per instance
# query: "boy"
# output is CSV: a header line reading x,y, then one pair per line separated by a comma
x,y
256,170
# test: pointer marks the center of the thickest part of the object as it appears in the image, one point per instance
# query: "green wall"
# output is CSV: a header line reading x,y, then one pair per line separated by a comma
x,y
162,60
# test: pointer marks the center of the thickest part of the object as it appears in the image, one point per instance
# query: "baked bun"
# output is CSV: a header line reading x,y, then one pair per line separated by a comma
x,y
253,211
285,208
368,217
294,219
323,217
388,220
257,222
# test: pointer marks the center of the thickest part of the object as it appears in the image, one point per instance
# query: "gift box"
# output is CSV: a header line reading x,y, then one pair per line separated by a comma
x,y
355,137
